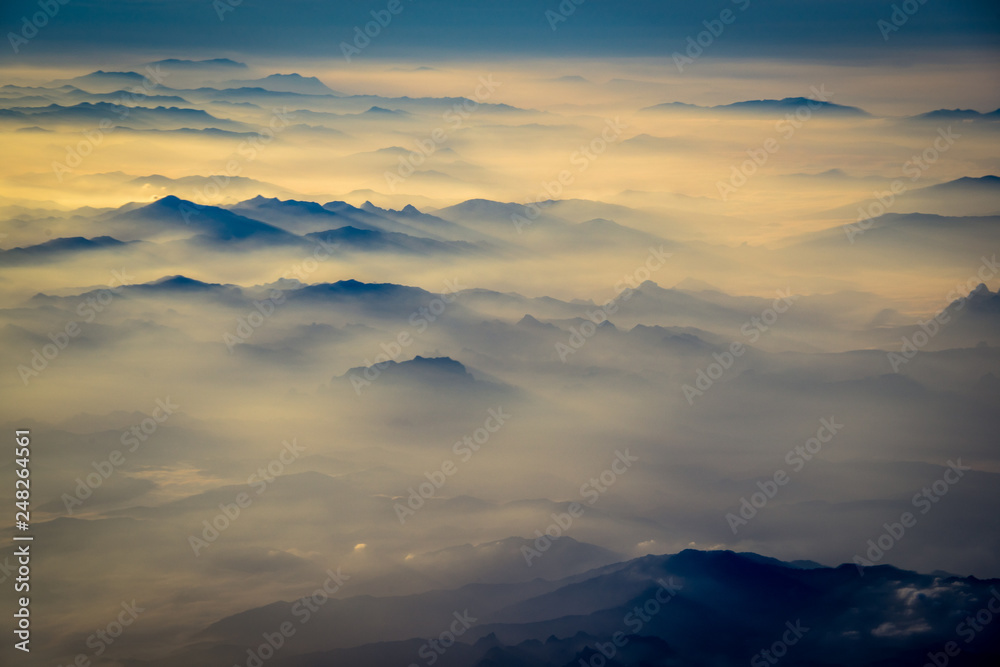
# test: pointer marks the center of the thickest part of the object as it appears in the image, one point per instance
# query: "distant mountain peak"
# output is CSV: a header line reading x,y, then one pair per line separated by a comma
x,y
988,182
383,110
768,105
179,282
101,72
286,83
444,371
530,322
441,363
189,64
167,203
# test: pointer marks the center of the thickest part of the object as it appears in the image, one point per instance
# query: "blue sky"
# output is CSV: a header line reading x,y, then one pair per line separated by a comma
x,y
823,30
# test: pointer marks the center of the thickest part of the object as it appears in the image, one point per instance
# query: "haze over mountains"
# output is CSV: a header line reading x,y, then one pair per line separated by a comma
x,y
536,344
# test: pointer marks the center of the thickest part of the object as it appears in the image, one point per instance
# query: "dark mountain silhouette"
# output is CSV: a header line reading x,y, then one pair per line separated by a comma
x,y
57,249
783,106
691,608
171,215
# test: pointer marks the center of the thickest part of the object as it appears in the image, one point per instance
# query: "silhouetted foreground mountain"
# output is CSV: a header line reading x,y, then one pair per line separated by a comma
x,y
692,608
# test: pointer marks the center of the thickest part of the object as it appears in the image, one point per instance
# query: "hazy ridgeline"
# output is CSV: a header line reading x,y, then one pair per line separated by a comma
x,y
393,331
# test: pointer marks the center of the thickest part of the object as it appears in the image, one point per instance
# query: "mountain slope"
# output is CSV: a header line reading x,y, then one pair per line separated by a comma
x,y
655,610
